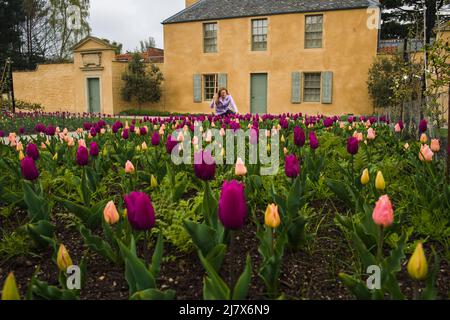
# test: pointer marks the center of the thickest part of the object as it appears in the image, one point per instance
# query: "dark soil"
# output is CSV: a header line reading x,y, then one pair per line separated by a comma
x,y
309,274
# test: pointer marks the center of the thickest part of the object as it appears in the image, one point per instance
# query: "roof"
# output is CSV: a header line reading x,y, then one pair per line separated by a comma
x,y
226,9
153,55
95,39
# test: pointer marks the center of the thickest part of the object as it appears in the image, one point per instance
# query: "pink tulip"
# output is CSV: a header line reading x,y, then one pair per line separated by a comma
x,y
110,213
383,214
435,145
398,129
426,155
129,167
371,135
81,143
241,169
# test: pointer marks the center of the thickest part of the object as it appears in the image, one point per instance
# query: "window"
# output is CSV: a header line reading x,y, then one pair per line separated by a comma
x,y
313,31
312,87
210,37
210,86
259,35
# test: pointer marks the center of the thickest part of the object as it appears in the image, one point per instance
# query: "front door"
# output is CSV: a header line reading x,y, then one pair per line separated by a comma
x,y
94,95
258,103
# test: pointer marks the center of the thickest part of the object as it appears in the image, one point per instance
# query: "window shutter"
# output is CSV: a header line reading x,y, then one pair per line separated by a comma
x,y
223,80
327,87
296,87
197,88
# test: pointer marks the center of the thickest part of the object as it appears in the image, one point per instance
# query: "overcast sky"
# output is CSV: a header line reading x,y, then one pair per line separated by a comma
x,y
130,21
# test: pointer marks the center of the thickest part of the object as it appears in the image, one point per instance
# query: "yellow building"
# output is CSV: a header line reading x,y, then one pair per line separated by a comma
x,y
274,56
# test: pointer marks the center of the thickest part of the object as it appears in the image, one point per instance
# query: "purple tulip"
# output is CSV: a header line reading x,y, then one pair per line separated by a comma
x,y
204,166
125,134
50,131
40,128
140,211
313,142
2,134
93,132
94,149
423,126
171,144
143,131
32,151
82,156
29,169
156,139
284,123
328,122
21,130
292,166
232,205
352,146
299,137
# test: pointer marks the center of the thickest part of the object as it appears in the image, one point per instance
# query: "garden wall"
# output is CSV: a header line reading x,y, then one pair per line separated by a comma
x,y
50,85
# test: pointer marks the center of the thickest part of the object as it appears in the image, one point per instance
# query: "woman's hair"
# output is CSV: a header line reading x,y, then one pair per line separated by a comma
x,y
222,89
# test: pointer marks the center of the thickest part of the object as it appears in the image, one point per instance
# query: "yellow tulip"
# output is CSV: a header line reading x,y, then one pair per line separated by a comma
x,y
105,152
417,265
283,139
21,155
125,213
63,259
153,182
423,138
380,183
10,291
272,217
365,178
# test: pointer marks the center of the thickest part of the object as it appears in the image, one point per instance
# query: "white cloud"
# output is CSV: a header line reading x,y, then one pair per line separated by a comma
x,y
130,21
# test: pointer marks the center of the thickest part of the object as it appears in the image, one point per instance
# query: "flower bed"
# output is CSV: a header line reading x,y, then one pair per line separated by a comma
x,y
204,207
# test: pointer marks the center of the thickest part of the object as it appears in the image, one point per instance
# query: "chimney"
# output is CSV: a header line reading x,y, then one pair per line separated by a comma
x,y
190,2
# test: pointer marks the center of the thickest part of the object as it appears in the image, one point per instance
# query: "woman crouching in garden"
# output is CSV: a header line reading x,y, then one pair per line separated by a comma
x,y
224,103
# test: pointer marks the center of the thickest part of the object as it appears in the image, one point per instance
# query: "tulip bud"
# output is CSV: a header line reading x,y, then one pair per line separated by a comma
x,y
241,169
55,157
21,155
110,213
423,138
283,139
417,265
10,291
153,182
272,217
380,183
63,259
365,178
129,167
435,145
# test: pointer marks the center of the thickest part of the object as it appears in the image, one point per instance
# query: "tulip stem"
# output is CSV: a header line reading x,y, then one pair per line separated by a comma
x,y
380,246
231,263
416,290
146,251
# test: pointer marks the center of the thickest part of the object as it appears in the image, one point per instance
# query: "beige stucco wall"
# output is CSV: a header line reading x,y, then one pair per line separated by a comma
x,y
50,85
63,87
349,49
